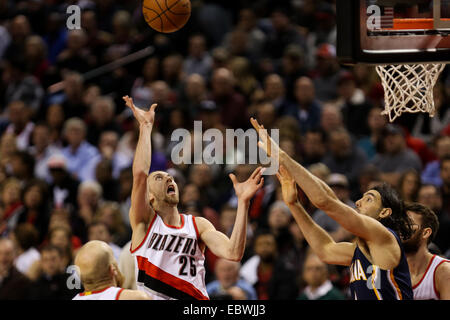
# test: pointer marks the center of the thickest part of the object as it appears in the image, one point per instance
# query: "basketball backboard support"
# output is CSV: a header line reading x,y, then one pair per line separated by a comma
x,y
393,31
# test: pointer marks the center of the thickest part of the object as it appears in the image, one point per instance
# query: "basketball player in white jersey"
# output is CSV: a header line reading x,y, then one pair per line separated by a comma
x,y
169,246
100,274
430,274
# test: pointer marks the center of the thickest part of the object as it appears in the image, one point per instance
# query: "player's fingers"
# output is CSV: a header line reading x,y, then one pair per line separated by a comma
x,y
260,184
255,172
153,107
233,178
255,124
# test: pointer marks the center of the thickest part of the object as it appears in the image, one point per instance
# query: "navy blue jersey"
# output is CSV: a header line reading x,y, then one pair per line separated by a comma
x,y
370,282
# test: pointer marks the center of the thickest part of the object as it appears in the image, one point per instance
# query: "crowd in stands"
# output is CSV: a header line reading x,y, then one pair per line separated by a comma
x,y
67,141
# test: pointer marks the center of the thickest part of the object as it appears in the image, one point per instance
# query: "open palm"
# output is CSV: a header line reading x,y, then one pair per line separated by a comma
x,y
141,116
247,189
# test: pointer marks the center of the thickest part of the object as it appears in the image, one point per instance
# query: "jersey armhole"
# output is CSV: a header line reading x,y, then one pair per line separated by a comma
x,y
145,238
201,245
118,293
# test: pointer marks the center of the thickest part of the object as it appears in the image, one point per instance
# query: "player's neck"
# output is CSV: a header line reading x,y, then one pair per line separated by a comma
x,y
419,261
169,214
99,286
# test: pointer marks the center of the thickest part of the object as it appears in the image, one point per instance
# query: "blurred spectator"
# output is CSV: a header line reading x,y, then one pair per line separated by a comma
x,y
268,275
248,22
353,104
89,198
76,56
36,56
409,185
52,282
227,276
22,166
307,109
25,237
11,205
100,231
231,103
395,157
198,61
109,214
72,97
246,82
445,189
36,206
344,156
8,147
194,93
20,85
427,128
431,172
64,188
191,194
371,142
317,278
19,30
326,73
101,118
20,124
330,118
282,33
314,147
13,284
79,152
293,66
41,150
54,117
275,93
429,195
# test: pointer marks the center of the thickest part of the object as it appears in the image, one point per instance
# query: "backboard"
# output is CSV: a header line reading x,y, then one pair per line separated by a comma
x,y
393,31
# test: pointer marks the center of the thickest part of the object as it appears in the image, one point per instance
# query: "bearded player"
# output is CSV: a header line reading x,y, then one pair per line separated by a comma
x,y
430,273
169,246
377,261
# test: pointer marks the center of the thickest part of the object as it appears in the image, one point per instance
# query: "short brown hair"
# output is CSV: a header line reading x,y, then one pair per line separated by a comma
x,y
429,218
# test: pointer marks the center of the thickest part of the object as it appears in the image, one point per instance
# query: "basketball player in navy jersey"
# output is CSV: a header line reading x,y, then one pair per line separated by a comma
x,y
378,266
169,246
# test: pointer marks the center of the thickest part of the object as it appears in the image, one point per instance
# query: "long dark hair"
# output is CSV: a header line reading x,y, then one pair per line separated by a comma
x,y
398,221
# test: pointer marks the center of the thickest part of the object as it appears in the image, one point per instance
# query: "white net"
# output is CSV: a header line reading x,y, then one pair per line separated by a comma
x,y
409,87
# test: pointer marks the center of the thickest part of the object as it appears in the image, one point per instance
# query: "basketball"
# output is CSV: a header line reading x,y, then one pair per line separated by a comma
x,y
166,15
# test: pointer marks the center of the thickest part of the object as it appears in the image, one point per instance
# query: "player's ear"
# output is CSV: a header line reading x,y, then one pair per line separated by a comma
x,y
385,212
426,233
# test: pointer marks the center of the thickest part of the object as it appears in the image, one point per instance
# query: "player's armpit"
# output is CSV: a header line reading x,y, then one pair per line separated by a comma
x,y
216,241
442,280
340,253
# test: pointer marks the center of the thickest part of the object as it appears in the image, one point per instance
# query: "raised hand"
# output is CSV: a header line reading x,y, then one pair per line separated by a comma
x,y
247,189
288,186
144,117
266,143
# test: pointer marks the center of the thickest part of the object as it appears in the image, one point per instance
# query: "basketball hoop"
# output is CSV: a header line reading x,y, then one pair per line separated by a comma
x,y
409,87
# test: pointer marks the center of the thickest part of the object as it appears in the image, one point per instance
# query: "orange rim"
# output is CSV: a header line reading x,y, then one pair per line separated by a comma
x,y
414,24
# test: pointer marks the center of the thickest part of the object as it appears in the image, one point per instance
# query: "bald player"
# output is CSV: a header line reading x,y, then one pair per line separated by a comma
x,y
169,246
101,276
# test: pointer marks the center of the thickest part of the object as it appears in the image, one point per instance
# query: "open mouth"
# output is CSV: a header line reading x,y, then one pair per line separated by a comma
x,y
171,189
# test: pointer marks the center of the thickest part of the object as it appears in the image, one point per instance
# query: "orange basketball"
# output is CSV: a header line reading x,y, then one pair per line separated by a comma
x,y
166,15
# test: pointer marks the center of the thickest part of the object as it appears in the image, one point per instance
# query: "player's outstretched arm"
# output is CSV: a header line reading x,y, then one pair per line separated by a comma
x,y
232,248
140,210
320,241
322,197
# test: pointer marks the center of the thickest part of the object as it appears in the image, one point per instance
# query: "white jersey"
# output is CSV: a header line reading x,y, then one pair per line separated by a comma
x,y
169,261
425,289
110,293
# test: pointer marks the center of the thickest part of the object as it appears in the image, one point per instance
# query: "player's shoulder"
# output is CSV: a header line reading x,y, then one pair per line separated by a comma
x,y
442,270
127,294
